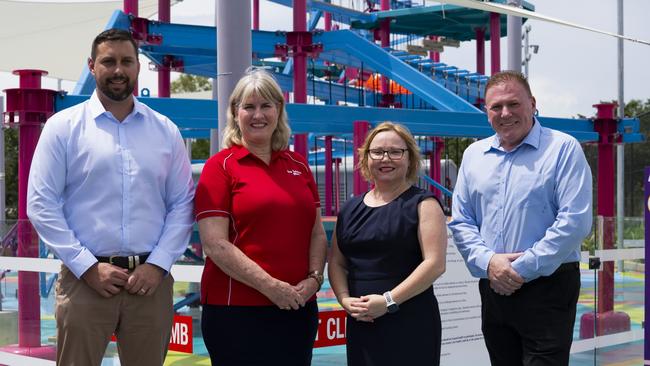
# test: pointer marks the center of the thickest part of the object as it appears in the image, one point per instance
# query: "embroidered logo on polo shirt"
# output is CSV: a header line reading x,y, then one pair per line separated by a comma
x,y
294,172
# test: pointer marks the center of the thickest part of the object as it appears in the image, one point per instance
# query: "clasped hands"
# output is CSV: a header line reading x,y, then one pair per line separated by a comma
x,y
108,280
365,308
504,280
287,296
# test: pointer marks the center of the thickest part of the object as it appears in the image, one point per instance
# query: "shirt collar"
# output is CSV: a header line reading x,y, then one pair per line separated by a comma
x,y
97,108
240,152
531,139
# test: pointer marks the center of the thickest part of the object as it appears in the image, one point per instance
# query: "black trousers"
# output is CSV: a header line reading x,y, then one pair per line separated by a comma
x,y
259,335
534,325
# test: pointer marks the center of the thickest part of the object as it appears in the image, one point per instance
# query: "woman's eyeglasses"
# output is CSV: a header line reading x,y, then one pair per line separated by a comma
x,y
393,154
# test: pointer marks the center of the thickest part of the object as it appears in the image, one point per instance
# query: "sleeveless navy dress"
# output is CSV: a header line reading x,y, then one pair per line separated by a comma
x,y
381,248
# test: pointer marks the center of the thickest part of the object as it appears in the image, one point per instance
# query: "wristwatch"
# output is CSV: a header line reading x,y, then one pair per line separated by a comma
x,y
316,275
391,305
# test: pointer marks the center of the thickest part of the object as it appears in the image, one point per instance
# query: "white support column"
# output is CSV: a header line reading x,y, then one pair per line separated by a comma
x,y
620,148
514,39
234,49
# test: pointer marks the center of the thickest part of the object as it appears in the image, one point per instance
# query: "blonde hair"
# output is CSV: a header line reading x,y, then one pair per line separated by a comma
x,y
411,146
257,82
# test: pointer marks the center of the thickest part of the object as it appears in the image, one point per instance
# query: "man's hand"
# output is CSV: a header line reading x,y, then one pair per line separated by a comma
x,y
144,279
504,280
106,279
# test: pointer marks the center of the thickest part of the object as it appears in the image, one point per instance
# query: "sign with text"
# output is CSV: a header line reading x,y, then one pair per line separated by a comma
x,y
460,312
331,328
181,338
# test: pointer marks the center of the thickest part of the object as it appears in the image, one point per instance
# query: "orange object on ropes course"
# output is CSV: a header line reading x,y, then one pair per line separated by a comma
x,y
374,83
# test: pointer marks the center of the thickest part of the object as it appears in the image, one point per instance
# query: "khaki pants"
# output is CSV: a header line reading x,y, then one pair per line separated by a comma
x,y
85,322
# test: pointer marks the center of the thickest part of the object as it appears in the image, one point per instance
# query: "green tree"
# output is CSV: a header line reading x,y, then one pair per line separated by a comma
x,y
637,157
201,149
11,173
187,83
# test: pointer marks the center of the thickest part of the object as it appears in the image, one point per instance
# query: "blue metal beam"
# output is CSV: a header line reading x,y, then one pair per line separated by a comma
x,y
200,115
377,59
195,46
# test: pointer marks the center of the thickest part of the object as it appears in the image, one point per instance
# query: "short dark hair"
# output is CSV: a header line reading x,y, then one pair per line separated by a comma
x,y
112,34
508,75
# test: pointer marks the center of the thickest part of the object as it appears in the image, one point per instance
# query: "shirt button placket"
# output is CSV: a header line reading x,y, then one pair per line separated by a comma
x,y
125,177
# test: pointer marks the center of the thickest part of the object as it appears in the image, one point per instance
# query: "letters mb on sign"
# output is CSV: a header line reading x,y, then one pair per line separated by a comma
x,y
181,338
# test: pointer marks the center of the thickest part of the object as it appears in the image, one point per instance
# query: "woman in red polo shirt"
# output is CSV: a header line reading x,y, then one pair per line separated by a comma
x,y
258,212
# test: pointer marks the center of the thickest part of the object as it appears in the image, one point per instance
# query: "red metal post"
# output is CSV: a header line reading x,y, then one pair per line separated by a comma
x,y
384,31
328,176
328,22
359,133
337,186
164,82
131,8
434,163
605,124
495,42
32,106
606,321
480,51
300,71
256,14
433,55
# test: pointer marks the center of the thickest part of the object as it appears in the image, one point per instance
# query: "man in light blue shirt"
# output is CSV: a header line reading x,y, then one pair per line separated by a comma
x,y
521,208
110,193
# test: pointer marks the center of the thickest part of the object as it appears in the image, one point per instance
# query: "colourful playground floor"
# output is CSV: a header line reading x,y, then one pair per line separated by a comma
x,y
629,298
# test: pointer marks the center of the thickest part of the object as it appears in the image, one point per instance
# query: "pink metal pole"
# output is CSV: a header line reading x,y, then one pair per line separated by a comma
x,y
299,58
256,14
32,105
300,144
328,176
300,71
605,124
164,82
495,42
337,186
433,55
328,22
29,312
434,163
480,51
131,8
359,133
384,30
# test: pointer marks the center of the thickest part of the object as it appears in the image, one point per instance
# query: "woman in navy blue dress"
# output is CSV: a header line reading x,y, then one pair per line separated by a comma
x,y
388,249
